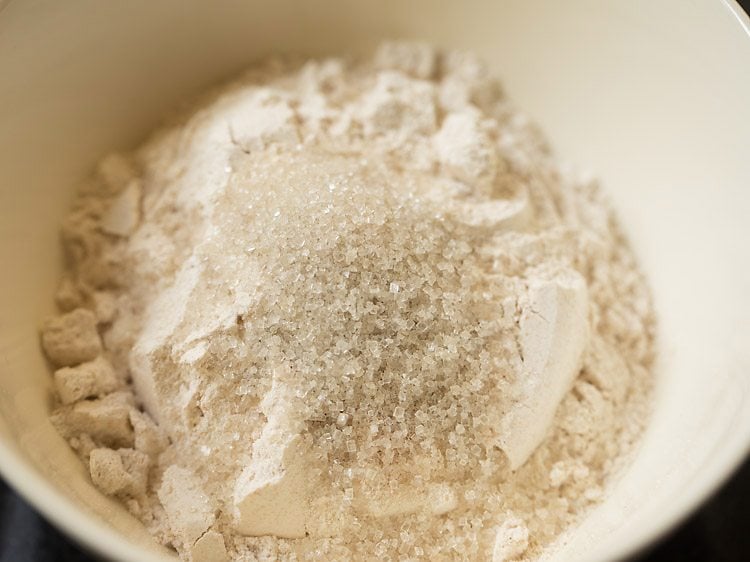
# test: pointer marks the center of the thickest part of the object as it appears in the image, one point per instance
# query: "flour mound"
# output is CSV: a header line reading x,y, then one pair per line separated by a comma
x,y
351,308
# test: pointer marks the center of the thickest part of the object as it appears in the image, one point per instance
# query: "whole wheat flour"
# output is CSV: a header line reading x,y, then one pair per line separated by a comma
x,y
350,309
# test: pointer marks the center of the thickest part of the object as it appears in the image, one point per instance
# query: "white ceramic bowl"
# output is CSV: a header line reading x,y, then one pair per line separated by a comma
x,y
653,96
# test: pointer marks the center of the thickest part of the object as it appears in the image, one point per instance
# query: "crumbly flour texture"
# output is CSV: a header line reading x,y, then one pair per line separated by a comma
x,y
350,310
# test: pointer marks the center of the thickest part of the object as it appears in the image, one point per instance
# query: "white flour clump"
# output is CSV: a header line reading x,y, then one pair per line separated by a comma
x,y
350,309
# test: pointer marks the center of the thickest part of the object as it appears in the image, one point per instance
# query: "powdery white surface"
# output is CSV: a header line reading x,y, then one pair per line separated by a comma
x,y
351,308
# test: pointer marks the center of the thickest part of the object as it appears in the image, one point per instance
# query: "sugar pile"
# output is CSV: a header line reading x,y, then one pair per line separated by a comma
x,y
350,308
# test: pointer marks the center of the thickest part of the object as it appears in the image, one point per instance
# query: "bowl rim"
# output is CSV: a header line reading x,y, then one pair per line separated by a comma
x,y
98,537
88,532
687,504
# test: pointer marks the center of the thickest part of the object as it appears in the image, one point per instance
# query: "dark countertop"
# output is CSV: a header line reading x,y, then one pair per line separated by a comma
x,y
716,533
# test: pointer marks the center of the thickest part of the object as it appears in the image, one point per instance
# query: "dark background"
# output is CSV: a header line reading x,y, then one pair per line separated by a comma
x,y
719,532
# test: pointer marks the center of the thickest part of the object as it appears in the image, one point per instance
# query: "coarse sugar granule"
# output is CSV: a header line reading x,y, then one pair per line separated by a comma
x,y
345,308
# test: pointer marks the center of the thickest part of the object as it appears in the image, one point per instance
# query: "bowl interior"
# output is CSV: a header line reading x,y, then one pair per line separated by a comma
x,y
651,96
